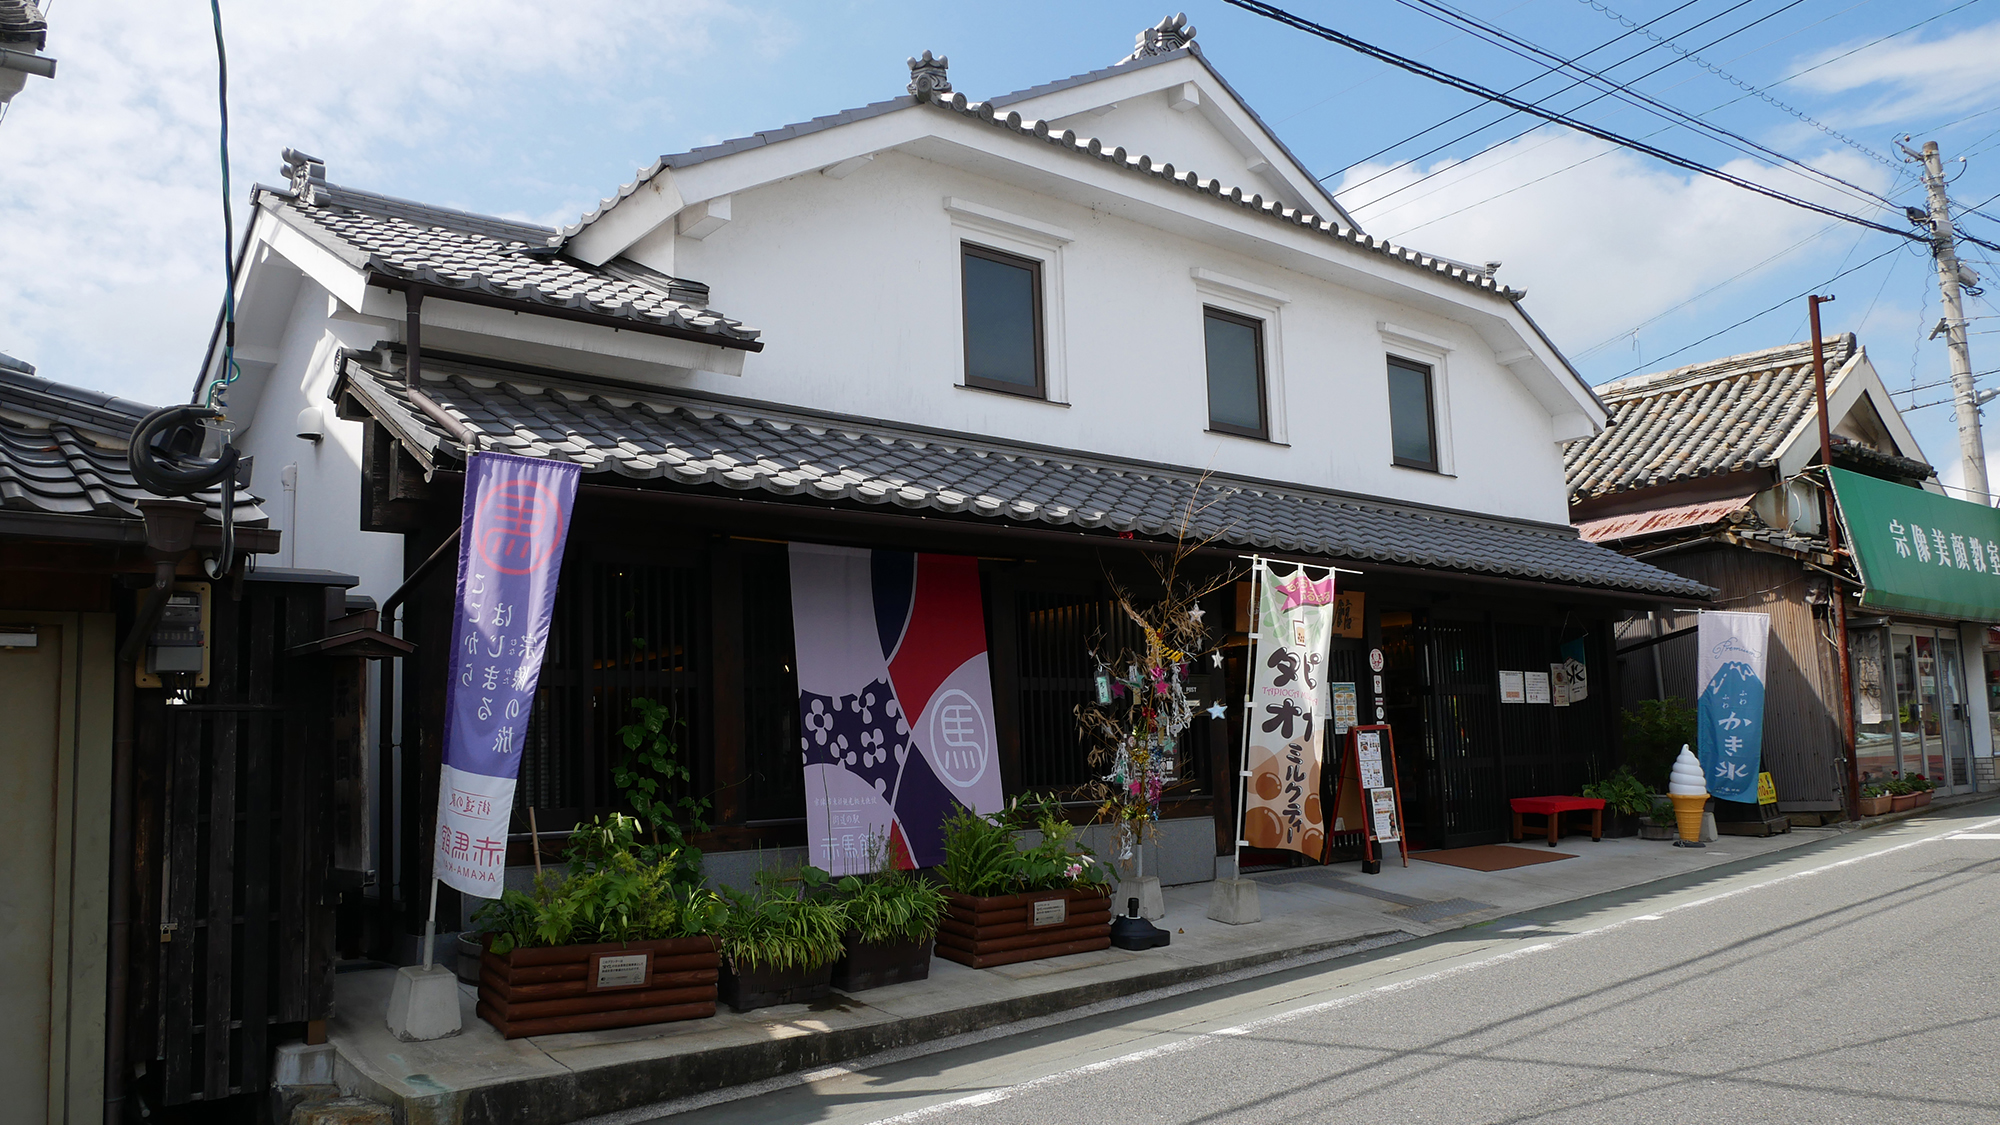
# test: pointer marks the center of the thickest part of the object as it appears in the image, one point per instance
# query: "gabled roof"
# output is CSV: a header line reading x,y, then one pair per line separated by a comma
x,y
458,250
63,453
1707,419
682,440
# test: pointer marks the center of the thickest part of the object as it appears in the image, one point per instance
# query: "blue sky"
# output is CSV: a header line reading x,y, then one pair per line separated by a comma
x,y
110,193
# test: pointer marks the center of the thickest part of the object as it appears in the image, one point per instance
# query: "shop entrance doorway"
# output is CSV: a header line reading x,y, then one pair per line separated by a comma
x,y
1933,735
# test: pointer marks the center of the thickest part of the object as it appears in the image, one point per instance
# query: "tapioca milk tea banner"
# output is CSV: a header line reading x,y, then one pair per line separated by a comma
x,y
1290,705
516,518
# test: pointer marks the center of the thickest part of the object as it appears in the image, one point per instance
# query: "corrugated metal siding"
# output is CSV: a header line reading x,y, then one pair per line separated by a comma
x,y
1801,736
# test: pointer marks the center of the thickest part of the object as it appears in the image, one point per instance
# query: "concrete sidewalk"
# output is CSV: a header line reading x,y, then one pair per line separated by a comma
x,y
478,1077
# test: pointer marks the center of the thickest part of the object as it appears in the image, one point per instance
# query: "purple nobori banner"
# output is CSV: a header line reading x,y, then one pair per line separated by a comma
x,y
517,513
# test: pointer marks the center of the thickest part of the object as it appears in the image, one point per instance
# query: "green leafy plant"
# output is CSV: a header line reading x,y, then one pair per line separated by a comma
x,y
982,857
612,892
1872,790
654,781
789,921
1663,812
892,906
1920,783
1655,730
1622,793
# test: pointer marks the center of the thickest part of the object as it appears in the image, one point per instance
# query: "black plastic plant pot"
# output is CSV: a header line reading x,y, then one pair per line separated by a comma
x,y
872,964
765,988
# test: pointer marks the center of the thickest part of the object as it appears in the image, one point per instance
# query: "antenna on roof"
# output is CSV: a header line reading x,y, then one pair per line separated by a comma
x,y
928,77
1169,35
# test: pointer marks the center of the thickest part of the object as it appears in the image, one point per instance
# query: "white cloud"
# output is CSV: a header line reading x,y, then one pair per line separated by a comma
x,y
1912,78
110,195
1603,239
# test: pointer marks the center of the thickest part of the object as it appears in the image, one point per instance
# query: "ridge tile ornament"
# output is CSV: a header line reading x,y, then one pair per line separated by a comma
x,y
1169,35
928,76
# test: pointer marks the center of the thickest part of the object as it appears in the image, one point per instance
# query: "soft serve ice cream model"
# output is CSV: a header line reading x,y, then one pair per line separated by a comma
x,y
1687,788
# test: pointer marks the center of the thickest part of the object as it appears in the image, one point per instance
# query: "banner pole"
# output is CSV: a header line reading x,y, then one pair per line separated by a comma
x,y
1249,683
431,923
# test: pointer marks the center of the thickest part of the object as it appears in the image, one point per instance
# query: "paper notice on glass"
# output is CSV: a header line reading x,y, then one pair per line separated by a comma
x,y
1538,687
1513,688
1382,804
1369,757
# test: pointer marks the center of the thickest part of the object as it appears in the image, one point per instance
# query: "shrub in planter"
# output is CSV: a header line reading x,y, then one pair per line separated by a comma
x,y
619,940
892,923
1660,823
1625,798
1008,904
1923,787
780,940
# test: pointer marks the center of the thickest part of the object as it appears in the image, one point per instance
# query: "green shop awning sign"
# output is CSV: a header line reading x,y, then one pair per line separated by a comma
x,y
1921,552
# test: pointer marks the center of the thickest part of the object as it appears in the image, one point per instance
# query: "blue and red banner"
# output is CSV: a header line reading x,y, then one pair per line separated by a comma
x,y
895,701
517,514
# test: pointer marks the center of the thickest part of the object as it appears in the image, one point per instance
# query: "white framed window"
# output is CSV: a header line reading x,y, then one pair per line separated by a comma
x,y
1009,258
1416,376
1239,316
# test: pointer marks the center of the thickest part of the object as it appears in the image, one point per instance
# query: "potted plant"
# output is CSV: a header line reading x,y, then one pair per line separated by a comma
x,y
1902,795
892,923
780,940
1874,800
1625,798
1007,904
620,939
1659,824
1922,787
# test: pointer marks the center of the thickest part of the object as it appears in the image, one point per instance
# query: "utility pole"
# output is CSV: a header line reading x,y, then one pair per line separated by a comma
x,y
1830,519
1951,275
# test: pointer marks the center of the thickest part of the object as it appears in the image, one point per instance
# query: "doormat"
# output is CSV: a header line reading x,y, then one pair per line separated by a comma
x,y
1492,857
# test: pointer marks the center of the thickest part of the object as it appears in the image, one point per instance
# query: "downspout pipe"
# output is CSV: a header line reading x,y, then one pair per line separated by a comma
x,y
1831,517
169,537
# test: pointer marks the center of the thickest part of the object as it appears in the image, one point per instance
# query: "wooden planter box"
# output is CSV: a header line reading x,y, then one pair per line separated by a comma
x,y
593,987
868,965
765,988
1005,929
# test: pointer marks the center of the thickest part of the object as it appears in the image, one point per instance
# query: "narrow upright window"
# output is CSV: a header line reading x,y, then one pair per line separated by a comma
x,y
1235,373
1003,321
1412,421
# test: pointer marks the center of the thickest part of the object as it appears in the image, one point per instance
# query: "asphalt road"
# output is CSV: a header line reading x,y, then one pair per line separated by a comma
x,y
1853,981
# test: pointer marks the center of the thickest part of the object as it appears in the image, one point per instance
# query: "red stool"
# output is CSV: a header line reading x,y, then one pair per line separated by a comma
x,y
1550,809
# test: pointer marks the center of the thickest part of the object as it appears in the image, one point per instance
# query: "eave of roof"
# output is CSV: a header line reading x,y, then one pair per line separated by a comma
x,y
685,440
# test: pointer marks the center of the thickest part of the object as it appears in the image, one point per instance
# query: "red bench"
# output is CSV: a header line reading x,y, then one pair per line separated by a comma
x,y
1550,809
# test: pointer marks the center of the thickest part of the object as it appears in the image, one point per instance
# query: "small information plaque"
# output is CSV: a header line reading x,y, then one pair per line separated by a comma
x,y
610,972
1050,912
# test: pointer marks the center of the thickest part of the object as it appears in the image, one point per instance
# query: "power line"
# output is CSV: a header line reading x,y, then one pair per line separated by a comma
x,y
1768,311
1279,15
1752,90
1574,83
1474,108
1625,92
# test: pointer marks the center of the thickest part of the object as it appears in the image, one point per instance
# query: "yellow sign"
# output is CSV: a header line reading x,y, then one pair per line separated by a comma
x,y
1767,790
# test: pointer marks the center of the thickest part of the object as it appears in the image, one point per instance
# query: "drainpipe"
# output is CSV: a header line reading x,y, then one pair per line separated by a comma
x,y
169,537
1832,520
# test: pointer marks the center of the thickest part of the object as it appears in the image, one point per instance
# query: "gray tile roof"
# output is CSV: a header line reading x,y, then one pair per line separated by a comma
x,y
684,441
450,249
1706,419
63,452
22,24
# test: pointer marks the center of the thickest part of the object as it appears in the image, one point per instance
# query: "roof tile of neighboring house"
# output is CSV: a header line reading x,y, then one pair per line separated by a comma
x,y
1706,419
21,23
497,257
63,452
688,441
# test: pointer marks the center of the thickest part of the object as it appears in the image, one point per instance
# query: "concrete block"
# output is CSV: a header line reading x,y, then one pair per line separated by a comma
x,y
344,1111
424,1003
1708,833
300,1064
1152,905
1234,901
